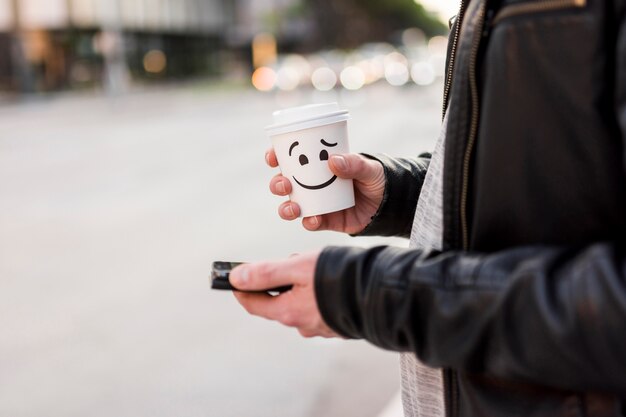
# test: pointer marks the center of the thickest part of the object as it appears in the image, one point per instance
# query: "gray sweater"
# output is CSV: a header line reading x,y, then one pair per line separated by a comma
x,y
422,386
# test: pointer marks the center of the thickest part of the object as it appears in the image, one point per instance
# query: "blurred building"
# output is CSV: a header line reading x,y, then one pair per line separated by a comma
x,y
289,20
55,44
50,45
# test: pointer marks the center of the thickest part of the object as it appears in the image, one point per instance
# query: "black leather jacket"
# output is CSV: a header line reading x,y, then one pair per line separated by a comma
x,y
525,308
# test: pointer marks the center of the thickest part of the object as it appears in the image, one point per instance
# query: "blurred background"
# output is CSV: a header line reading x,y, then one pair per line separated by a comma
x,y
132,156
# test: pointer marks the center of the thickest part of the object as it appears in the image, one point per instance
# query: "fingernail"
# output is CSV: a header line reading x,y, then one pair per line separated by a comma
x,y
280,187
288,211
267,158
315,221
340,162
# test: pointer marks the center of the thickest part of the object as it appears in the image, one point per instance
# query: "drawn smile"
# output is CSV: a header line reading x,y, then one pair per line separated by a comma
x,y
316,187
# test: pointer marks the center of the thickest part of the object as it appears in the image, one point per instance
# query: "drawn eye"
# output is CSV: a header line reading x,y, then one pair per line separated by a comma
x,y
324,155
304,160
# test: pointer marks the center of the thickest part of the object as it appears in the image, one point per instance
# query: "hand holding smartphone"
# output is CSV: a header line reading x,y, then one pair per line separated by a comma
x,y
221,272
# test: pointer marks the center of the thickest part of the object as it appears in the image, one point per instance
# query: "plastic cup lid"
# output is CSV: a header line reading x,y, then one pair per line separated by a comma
x,y
306,117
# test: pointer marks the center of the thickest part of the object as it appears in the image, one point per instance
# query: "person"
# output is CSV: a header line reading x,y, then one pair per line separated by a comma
x,y
515,285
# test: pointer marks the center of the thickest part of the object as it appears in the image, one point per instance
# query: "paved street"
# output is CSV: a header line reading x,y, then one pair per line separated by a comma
x,y
111,211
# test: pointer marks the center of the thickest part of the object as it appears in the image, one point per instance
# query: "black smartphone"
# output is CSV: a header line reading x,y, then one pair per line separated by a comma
x,y
221,272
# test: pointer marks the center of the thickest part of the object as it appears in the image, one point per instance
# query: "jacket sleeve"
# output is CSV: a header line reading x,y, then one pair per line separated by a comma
x,y
404,179
538,314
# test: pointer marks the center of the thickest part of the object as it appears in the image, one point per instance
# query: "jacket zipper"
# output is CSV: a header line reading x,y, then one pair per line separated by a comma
x,y
537,6
455,41
478,34
448,374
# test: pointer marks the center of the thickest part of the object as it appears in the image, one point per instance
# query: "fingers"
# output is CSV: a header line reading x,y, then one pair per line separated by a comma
x,y
312,224
349,166
280,185
270,158
262,305
289,211
296,308
263,275
297,270
355,166
288,309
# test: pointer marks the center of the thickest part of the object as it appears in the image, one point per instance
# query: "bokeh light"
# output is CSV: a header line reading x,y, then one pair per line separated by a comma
x,y
287,78
422,64
300,64
437,50
413,37
397,74
264,79
155,61
352,78
264,50
422,73
438,45
324,79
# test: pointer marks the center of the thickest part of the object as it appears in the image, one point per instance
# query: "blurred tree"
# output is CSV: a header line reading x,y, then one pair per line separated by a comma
x,y
404,13
348,23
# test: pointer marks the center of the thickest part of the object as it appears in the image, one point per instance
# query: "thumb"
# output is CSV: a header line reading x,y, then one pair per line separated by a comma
x,y
357,167
260,276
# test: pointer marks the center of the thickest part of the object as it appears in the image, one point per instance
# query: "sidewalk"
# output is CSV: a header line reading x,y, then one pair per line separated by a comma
x,y
111,214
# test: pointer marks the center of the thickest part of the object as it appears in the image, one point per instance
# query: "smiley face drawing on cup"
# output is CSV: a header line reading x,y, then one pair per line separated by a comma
x,y
304,160
303,139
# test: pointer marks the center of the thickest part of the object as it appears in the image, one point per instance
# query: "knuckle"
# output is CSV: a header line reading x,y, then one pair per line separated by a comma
x,y
354,159
362,163
371,170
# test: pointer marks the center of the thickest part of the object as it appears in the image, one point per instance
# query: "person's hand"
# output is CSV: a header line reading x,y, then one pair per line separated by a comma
x,y
296,308
369,187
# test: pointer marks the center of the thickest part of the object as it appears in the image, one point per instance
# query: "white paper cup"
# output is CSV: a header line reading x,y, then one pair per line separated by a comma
x,y
303,138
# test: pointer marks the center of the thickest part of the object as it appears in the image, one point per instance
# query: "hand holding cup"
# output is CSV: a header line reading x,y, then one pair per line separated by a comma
x,y
369,186
327,185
